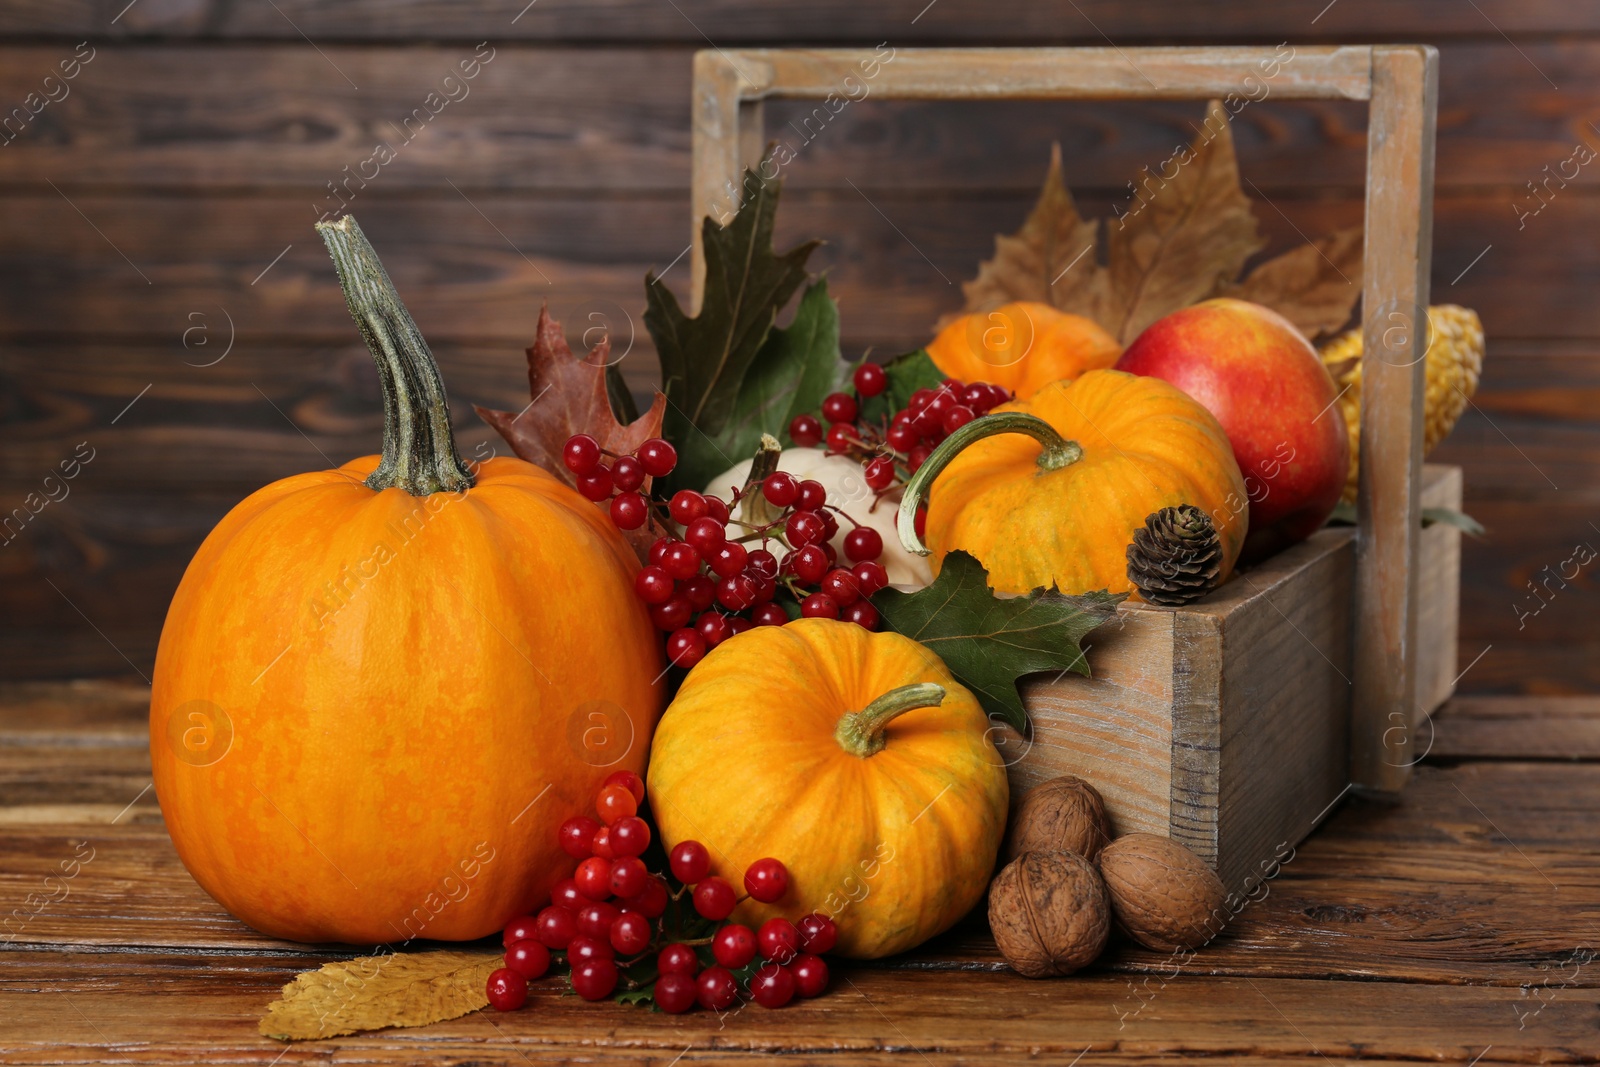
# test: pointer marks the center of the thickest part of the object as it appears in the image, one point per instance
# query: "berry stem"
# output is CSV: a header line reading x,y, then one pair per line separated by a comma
x,y
860,733
1056,452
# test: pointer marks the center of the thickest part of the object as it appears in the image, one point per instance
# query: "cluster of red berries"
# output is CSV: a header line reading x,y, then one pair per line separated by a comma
x,y
790,953
612,914
622,480
705,586
711,575
893,450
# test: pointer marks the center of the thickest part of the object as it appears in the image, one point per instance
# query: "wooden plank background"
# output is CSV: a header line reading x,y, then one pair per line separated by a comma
x,y
165,205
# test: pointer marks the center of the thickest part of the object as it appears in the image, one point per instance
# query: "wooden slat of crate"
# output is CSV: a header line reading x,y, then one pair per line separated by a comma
x,y
1439,602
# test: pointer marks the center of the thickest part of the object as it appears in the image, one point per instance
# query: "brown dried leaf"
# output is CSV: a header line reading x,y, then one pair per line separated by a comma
x,y
569,397
1051,260
1183,235
376,992
1314,286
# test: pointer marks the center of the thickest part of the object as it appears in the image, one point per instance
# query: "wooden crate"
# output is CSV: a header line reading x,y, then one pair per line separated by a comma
x,y
1233,723
1226,723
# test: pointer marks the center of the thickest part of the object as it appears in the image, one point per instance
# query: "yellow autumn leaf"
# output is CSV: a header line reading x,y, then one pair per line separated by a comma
x,y
377,992
1313,286
1051,260
1184,235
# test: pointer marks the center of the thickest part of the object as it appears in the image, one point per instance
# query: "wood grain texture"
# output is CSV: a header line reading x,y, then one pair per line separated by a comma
x,y
1397,260
1449,926
1095,73
1438,592
478,277
835,21
1114,728
1490,728
1282,708
993,1018
614,120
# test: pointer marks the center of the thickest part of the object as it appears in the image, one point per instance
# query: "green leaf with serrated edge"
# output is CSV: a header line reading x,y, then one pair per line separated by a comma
x,y
1344,514
989,641
1451,517
644,997
796,367
906,374
623,405
641,976
704,359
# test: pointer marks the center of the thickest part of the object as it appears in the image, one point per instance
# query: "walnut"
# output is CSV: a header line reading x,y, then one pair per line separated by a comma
x,y
1049,913
1165,896
1064,814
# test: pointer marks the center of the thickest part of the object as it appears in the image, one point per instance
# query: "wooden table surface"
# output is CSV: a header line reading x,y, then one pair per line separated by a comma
x,y
1461,925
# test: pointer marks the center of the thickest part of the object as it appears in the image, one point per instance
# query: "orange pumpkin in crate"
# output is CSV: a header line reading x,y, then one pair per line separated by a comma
x,y
1022,346
1049,492
380,688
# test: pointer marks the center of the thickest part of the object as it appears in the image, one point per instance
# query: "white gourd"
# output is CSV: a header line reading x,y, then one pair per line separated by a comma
x,y
848,491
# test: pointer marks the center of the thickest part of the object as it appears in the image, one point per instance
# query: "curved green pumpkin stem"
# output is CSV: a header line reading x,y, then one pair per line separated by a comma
x,y
419,447
1058,452
860,733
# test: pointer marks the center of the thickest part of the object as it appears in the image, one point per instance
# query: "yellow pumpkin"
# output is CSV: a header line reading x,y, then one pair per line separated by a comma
x,y
1022,346
827,746
1050,491
380,688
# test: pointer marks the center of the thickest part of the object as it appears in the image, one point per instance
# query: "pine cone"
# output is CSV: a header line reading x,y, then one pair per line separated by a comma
x,y
1175,557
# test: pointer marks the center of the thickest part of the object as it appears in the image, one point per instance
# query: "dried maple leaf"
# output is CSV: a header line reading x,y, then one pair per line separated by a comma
x,y
1314,286
1051,260
570,396
376,992
1183,235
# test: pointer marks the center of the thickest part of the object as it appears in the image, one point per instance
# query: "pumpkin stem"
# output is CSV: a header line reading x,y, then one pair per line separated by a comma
x,y
419,448
1058,452
860,733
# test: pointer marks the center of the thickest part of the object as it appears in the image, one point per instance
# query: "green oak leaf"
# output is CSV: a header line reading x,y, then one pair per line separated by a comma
x,y
990,641
798,366
705,359
906,374
622,402
643,997
1344,514
1451,517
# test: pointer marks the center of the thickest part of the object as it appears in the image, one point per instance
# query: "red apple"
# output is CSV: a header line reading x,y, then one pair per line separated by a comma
x,y
1263,381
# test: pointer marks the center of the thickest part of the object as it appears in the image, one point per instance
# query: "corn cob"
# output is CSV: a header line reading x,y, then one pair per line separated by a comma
x,y
1454,361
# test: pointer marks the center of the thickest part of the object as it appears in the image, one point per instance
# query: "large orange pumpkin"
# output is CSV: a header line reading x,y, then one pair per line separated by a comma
x,y
853,757
1022,346
1049,491
380,688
